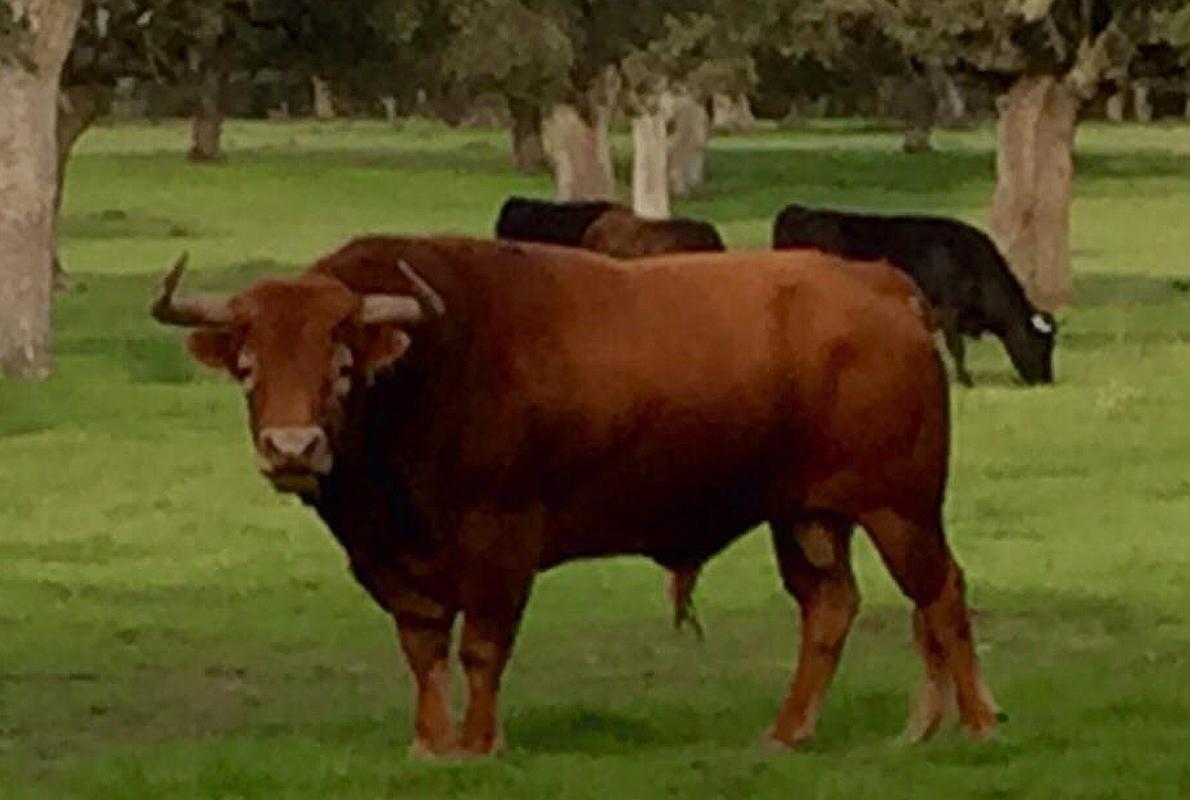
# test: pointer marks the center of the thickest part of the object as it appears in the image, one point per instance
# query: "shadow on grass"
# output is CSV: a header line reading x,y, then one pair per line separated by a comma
x,y
569,728
117,223
1122,289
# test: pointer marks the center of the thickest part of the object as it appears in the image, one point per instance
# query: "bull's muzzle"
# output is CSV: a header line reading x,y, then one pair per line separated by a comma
x,y
293,457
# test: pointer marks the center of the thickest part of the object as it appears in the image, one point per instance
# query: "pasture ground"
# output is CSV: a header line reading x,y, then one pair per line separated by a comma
x,y
171,628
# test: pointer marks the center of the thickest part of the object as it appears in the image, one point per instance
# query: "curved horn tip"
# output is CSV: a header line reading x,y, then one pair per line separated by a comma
x,y
171,279
425,293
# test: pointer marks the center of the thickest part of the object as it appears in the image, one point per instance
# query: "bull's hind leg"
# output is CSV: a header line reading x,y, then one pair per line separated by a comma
x,y
916,554
826,592
935,697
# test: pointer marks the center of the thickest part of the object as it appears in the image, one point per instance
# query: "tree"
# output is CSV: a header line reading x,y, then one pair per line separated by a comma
x,y
519,50
669,80
35,37
1052,56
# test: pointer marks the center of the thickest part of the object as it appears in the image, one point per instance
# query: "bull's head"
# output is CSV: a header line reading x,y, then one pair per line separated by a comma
x,y
298,347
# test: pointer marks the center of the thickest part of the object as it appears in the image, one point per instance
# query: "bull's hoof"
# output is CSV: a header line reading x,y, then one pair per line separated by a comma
x,y
421,750
482,748
775,744
982,731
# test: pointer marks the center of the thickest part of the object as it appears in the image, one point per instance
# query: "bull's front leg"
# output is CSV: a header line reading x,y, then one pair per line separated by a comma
x,y
500,562
425,640
485,650
424,629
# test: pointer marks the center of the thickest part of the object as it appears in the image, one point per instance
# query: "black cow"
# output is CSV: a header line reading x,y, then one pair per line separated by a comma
x,y
529,220
957,266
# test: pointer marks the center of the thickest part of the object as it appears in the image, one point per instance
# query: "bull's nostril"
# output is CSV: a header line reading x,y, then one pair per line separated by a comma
x,y
313,446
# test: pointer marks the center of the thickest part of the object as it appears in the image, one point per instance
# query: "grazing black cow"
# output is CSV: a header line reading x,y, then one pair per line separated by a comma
x,y
957,266
528,220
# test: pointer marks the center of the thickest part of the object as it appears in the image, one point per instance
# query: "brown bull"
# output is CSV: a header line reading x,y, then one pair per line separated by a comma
x,y
465,414
619,233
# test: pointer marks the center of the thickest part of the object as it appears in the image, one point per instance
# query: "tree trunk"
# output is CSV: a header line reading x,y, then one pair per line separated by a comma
x,y
389,103
732,113
28,181
1142,102
688,146
581,154
324,102
650,179
951,106
1115,106
207,127
918,111
1034,175
78,108
528,152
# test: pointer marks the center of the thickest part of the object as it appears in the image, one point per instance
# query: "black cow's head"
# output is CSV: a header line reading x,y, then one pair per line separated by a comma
x,y
1030,345
298,347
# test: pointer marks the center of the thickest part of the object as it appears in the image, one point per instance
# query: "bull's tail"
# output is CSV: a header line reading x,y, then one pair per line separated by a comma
x,y
682,581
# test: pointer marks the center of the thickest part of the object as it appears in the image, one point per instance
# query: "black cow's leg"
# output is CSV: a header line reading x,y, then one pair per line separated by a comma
x,y
915,551
957,348
826,592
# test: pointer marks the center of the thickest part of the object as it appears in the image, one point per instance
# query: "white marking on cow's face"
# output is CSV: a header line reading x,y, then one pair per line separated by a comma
x,y
246,368
1041,324
342,365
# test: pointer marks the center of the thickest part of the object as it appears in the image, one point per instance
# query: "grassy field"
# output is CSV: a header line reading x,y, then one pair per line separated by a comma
x,y
171,628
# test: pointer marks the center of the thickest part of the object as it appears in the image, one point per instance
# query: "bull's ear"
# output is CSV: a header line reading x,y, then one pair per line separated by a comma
x,y
383,346
215,348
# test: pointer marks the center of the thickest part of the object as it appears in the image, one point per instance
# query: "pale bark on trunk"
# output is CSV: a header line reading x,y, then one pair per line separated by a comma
x,y
207,127
951,106
1142,102
650,178
528,151
688,146
732,113
28,181
324,102
389,104
581,154
78,109
1030,217
918,111
1115,106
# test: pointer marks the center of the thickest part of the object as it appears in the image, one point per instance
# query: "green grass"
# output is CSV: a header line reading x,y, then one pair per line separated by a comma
x,y
171,628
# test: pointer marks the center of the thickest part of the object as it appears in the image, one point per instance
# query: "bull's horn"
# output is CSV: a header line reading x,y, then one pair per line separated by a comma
x,y
391,308
431,301
204,310
394,308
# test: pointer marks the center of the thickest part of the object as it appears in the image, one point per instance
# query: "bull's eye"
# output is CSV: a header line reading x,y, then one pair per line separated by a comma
x,y
343,363
246,369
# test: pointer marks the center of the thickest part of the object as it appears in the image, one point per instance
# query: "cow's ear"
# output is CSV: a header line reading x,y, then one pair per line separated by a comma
x,y
215,348
383,345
